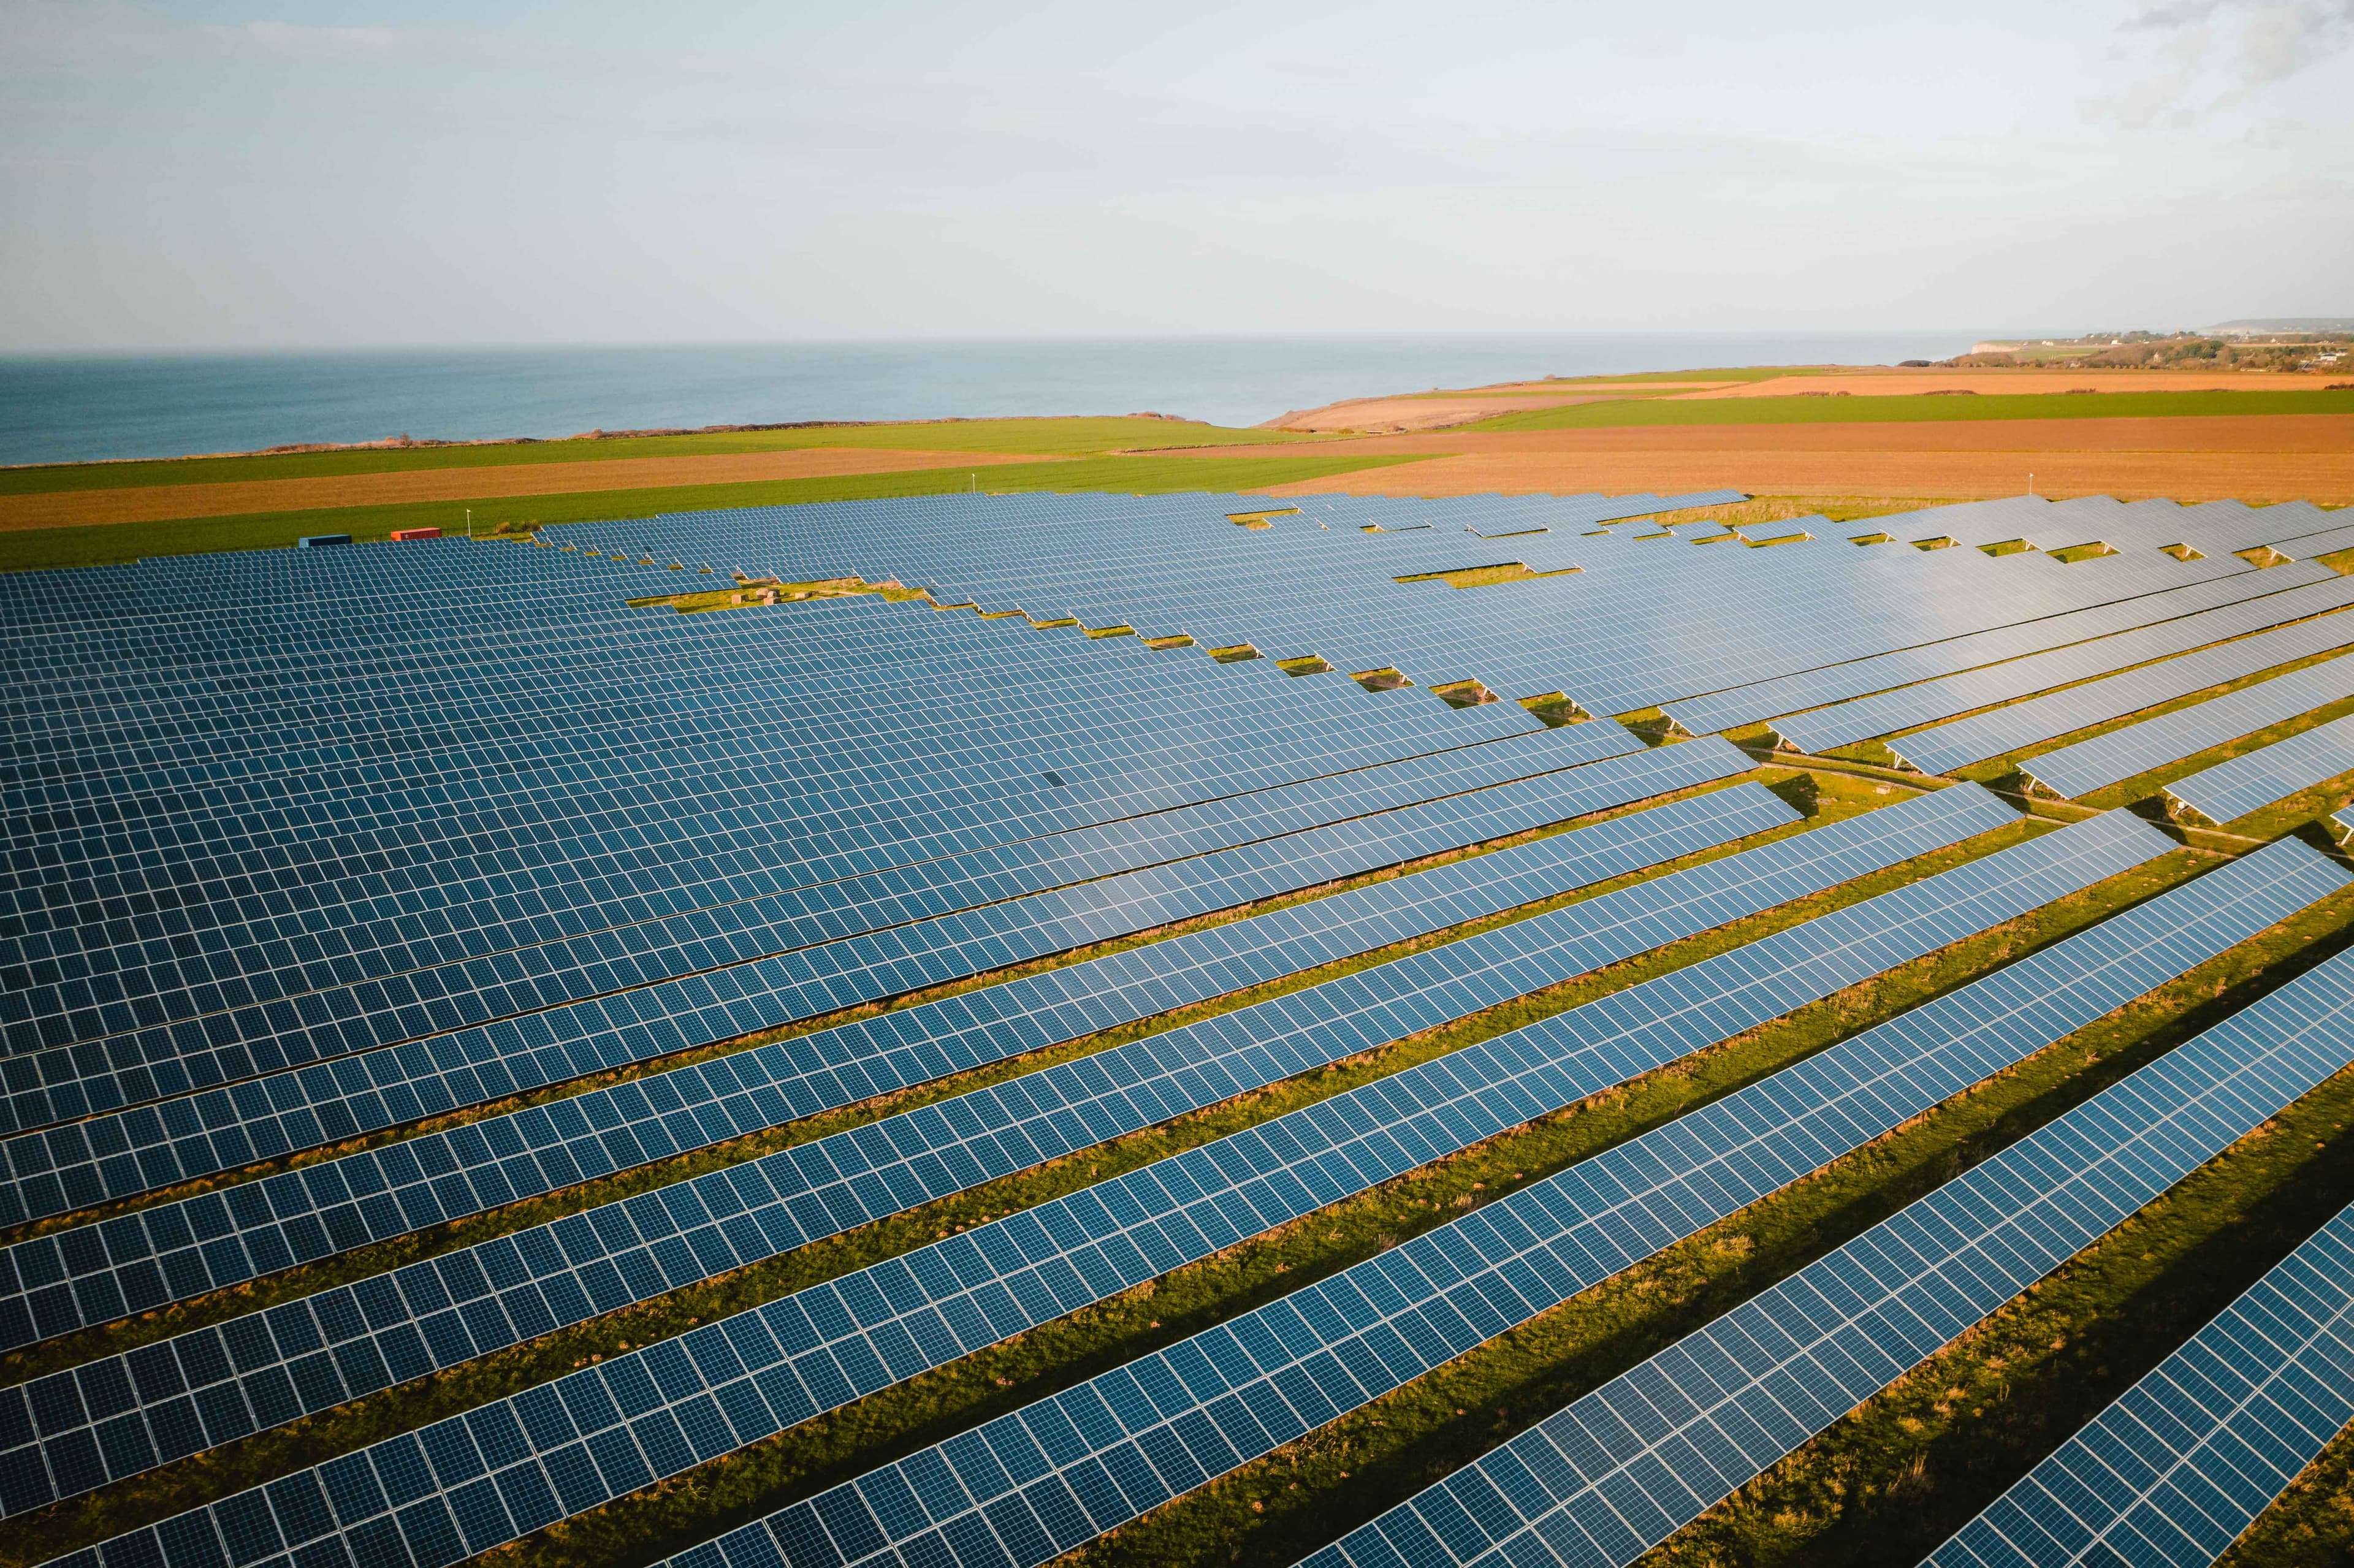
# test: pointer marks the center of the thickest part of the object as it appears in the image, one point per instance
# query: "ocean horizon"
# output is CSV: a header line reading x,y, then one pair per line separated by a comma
x,y
90,407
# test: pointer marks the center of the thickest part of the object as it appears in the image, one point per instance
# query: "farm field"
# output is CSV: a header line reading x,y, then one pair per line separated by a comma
x,y
946,925
2253,457
2179,434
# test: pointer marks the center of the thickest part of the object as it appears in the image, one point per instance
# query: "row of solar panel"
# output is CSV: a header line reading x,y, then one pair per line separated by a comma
x,y
2111,758
2268,775
2183,1462
1623,1467
1032,1484
318,1350
1759,701
2024,724
608,1429
1231,743
97,1272
722,992
1940,699
259,1005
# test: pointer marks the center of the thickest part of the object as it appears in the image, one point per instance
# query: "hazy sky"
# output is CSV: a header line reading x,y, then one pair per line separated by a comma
x,y
224,175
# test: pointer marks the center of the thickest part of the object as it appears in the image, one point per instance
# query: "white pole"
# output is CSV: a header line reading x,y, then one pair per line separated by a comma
x,y
2030,484
470,522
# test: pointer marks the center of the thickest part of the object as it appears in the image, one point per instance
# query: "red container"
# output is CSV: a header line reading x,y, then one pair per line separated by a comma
x,y
399,533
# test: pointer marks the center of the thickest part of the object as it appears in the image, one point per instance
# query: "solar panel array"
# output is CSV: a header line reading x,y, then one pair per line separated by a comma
x,y
1313,583
1988,735
216,1383
701,977
2268,775
849,1336
311,847
1030,1485
70,1279
2183,1462
2008,728
2122,754
1623,1467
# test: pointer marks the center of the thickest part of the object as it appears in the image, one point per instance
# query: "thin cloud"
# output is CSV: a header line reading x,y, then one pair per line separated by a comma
x,y
2270,40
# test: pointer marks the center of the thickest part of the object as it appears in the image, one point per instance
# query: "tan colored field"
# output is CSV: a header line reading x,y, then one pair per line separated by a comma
x,y
167,502
2251,457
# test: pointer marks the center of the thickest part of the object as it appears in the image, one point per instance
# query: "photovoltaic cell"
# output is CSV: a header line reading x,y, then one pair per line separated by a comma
x,y
1626,1466
676,1404
52,1284
1039,1481
2111,758
2269,774
317,1352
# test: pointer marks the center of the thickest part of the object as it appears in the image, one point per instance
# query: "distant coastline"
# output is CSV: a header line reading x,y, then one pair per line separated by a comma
x,y
101,408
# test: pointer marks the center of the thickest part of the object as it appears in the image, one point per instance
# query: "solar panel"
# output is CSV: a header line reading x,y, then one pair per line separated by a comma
x,y
1844,723
53,1284
2185,1460
1625,1467
720,985
317,1352
2268,775
2096,701
799,1356
1043,1479
2107,759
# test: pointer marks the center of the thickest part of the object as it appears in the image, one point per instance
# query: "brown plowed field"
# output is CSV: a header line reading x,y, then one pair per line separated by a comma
x,y
165,502
2251,457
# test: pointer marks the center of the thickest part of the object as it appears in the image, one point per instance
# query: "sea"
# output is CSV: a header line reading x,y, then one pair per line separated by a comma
x,y
80,409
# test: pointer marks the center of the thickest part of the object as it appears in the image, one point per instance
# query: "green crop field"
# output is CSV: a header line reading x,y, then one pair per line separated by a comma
x,y
1046,437
97,544
1917,408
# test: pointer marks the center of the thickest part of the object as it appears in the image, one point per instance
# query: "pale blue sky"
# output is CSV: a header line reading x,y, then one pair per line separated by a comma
x,y
231,176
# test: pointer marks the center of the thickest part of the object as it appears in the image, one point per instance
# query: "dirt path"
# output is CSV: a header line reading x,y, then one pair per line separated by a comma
x,y
160,503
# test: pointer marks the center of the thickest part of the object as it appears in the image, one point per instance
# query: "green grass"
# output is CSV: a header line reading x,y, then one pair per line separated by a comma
x,y
1796,410
98,544
1046,437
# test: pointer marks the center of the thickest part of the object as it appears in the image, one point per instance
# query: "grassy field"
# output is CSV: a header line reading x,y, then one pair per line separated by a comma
x,y
1046,437
1920,410
98,544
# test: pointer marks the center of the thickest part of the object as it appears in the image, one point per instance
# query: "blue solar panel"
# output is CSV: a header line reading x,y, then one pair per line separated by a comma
x,y
55,1282
2186,1459
2107,759
1130,1439
1622,1469
2096,701
736,1379
2268,775
1939,699
308,1354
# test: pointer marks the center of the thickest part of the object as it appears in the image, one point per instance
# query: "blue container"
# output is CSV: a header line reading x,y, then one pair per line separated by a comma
x,y
316,541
